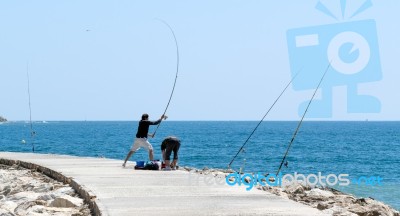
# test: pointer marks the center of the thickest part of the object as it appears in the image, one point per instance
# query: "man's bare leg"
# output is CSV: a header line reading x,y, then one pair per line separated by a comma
x,y
127,157
151,155
167,165
163,155
173,164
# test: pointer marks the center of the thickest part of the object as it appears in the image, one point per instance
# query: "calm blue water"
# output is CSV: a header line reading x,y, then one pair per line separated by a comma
x,y
354,148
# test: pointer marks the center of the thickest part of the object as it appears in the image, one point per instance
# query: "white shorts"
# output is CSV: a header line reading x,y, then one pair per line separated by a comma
x,y
141,142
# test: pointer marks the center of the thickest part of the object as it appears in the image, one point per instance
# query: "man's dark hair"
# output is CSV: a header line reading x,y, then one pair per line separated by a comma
x,y
145,116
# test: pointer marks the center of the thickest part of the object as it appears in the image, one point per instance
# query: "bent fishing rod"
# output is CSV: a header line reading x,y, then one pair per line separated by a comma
x,y
176,75
259,123
30,110
301,121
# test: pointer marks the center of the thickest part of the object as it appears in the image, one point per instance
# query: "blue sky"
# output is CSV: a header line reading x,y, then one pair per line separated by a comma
x,y
112,60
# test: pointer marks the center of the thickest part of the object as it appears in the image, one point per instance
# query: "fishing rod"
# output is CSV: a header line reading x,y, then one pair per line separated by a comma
x,y
302,118
259,123
30,110
176,75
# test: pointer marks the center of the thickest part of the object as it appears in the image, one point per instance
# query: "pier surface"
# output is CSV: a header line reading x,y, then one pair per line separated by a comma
x,y
124,191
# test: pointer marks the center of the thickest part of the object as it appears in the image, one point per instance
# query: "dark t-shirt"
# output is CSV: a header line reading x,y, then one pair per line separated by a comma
x,y
169,140
143,128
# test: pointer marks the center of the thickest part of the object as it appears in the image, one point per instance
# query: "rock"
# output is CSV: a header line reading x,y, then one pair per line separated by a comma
x,y
43,188
344,200
55,211
63,191
23,207
25,195
2,119
37,210
45,197
337,210
277,191
187,168
318,194
294,189
247,179
6,190
8,205
57,186
66,201
41,202
358,209
218,173
324,205
23,192
5,213
361,201
378,208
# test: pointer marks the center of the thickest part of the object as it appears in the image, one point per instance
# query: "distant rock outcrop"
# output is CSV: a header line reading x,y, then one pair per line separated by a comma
x,y
2,119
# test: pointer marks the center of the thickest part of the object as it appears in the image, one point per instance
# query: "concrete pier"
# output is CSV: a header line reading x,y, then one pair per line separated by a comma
x,y
114,190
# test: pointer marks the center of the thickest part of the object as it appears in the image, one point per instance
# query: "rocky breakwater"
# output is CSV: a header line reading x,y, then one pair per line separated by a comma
x,y
328,200
2,119
332,201
26,192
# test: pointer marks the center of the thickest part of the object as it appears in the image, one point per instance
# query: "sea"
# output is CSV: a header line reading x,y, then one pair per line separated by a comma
x,y
361,149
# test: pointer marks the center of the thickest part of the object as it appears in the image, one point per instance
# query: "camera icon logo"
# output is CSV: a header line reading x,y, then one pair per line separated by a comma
x,y
352,50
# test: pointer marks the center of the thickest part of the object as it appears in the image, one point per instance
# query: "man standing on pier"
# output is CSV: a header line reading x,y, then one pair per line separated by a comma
x,y
141,137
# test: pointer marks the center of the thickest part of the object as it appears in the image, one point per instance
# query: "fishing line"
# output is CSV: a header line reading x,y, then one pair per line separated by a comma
x,y
30,110
298,126
248,138
177,71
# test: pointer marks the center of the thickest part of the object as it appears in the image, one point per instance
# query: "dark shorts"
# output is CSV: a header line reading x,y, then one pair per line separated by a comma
x,y
171,144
